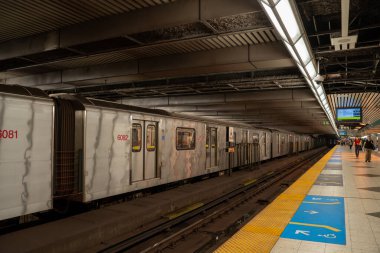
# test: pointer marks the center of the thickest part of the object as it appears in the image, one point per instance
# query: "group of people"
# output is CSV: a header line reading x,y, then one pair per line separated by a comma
x,y
365,144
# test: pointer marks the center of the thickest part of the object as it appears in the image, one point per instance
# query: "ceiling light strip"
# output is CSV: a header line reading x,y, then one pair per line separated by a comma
x,y
285,18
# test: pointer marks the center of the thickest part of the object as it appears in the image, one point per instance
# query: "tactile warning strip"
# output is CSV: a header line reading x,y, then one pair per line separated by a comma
x,y
262,232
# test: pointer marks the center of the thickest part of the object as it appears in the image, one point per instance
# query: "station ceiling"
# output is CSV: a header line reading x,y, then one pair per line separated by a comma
x,y
219,59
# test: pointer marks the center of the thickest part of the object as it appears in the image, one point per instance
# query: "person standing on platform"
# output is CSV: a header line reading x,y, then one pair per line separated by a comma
x,y
369,146
350,143
357,147
363,142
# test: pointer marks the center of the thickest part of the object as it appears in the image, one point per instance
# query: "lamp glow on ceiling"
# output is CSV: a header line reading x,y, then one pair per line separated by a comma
x,y
285,18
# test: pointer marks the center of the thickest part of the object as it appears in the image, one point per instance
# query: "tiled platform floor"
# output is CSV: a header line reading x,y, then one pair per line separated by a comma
x,y
361,191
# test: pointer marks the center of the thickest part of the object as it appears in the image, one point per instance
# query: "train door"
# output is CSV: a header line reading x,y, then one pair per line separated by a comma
x,y
264,150
150,151
214,147
208,148
255,148
291,144
211,147
307,143
244,149
137,151
144,150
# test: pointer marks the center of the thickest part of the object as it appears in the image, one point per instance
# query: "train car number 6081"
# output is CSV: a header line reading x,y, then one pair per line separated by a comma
x,y
8,134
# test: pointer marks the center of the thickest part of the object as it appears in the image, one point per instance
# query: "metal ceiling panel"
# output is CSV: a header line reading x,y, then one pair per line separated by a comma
x,y
250,37
292,110
50,15
369,101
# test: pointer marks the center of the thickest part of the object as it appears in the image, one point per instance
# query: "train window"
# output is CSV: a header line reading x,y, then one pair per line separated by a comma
x,y
185,138
207,137
265,144
136,137
151,138
255,138
214,138
245,136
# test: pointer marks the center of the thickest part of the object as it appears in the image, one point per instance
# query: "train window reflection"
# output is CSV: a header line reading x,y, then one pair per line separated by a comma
x,y
185,138
151,138
214,139
136,137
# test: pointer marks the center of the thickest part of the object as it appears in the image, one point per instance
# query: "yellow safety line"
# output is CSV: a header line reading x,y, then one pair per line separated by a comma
x,y
182,211
263,231
322,203
315,225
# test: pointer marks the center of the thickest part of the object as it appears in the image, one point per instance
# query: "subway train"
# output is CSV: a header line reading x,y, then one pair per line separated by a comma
x,y
81,149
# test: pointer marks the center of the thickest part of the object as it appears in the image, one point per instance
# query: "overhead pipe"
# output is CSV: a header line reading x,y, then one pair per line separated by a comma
x,y
345,5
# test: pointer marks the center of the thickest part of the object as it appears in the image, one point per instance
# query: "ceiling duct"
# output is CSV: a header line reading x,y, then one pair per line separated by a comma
x,y
345,42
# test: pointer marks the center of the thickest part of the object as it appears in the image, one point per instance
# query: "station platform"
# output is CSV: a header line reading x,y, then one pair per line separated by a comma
x,y
333,207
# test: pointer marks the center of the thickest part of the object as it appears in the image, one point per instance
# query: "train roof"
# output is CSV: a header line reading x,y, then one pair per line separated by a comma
x,y
112,105
22,90
35,92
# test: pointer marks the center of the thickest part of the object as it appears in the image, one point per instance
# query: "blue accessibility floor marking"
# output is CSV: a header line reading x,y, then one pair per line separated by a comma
x,y
318,219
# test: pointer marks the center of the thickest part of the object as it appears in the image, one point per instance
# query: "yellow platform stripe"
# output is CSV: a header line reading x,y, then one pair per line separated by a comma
x,y
263,231
184,210
315,225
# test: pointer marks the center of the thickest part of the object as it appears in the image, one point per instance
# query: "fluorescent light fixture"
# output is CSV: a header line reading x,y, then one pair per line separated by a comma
x,y
316,85
315,93
275,21
288,18
320,91
291,50
310,69
302,50
302,70
285,18
310,84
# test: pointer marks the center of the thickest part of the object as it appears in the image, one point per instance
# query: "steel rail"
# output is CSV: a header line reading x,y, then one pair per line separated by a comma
x,y
258,186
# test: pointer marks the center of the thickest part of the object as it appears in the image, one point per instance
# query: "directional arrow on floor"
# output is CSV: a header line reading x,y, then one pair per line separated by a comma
x,y
311,212
304,232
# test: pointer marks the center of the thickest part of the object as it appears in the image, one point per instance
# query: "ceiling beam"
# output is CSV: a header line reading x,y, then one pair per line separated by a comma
x,y
162,16
245,58
224,98
243,106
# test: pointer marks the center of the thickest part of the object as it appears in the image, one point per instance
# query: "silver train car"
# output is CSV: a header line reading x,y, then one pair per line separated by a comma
x,y
67,147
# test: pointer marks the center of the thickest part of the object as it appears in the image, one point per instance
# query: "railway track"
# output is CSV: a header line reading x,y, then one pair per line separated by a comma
x,y
208,226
